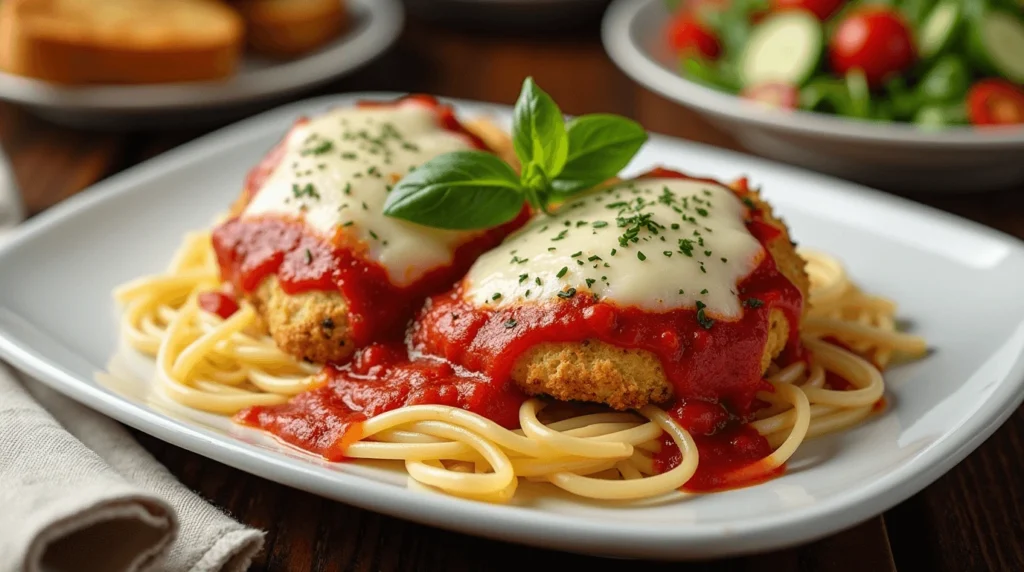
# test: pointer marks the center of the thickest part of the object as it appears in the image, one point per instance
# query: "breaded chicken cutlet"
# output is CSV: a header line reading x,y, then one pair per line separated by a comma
x,y
309,245
655,289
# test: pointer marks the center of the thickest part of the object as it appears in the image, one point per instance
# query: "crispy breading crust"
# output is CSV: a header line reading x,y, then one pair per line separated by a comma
x,y
311,325
598,372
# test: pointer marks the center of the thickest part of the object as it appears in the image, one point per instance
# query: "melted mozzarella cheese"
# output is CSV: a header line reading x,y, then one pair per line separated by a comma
x,y
658,245
337,171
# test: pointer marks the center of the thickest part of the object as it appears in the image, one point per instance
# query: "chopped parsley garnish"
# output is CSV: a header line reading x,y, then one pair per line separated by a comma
x,y
510,323
523,278
753,303
702,212
702,319
641,256
561,235
562,272
567,293
704,291
309,256
600,224
590,282
307,190
686,247
497,296
321,148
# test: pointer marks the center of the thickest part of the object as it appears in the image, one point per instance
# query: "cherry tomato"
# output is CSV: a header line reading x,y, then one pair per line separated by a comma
x,y
874,39
820,8
777,95
686,35
995,102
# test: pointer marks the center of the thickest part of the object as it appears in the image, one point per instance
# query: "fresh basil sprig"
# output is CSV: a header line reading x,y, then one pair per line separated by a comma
x,y
467,190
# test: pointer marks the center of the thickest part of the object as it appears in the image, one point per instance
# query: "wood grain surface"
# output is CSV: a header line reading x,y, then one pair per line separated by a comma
x,y
970,519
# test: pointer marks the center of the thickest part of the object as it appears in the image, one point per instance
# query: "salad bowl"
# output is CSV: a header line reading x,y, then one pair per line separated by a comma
x,y
900,157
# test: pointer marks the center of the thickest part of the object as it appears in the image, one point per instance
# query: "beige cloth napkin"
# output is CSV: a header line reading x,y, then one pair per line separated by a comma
x,y
78,493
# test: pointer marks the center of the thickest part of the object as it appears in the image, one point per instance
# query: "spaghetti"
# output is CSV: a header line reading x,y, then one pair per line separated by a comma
x,y
225,365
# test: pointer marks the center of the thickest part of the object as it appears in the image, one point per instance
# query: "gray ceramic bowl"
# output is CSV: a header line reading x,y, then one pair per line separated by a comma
x,y
891,156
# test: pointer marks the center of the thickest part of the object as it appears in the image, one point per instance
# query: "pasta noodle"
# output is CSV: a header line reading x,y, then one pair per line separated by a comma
x,y
225,365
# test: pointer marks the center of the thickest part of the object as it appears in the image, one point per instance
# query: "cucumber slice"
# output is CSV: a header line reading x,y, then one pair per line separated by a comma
x,y
784,48
939,116
996,43
940,28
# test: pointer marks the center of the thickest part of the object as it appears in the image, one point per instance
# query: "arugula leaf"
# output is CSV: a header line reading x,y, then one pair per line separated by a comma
x,y
538,132
463,190
600,145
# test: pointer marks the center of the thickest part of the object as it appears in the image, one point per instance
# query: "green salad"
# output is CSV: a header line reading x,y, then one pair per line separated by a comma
x,y
935,63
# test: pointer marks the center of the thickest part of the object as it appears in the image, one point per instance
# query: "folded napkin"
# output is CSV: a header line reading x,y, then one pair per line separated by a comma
x,y
77,493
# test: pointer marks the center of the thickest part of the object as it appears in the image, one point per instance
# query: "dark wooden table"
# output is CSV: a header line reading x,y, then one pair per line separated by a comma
x,y
970,519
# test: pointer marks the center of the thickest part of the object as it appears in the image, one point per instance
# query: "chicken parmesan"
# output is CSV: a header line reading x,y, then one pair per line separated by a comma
x,y
618,339
665,286
309,246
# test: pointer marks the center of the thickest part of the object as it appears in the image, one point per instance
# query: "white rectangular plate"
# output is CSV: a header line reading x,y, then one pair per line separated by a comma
x,y
957,282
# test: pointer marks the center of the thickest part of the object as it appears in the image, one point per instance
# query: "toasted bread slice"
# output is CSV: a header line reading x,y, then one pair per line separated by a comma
x,y
291,28
120,41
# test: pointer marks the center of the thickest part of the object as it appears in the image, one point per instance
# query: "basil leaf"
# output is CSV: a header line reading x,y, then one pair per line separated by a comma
x,y
600,145
538,131
464,190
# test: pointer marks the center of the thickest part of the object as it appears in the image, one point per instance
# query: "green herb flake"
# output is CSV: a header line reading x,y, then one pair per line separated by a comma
x,y
567,293
307,190
562,272
702,319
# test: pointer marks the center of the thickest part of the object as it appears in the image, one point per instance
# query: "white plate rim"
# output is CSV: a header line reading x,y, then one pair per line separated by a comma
x,y
380,24
685,541
619,42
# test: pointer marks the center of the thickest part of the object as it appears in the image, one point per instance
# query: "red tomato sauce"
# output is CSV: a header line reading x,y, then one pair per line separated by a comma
x,y
729,449
219,303
380,378
715,372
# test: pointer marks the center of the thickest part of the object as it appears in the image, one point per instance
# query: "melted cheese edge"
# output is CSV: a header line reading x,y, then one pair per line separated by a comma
x,y
628,245
337,171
